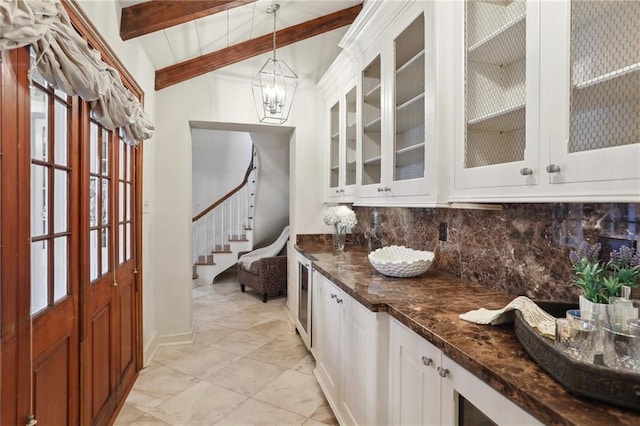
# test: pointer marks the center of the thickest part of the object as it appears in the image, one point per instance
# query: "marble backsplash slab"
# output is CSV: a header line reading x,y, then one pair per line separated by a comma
x,y
522,249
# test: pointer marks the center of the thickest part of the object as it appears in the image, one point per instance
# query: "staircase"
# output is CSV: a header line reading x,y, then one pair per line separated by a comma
x,y
223,229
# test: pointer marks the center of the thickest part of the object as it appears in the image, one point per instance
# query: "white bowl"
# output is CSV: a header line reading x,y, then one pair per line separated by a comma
x,y
400,261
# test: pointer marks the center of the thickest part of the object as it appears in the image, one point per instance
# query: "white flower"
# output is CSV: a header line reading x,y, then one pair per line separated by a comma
x,y
340,214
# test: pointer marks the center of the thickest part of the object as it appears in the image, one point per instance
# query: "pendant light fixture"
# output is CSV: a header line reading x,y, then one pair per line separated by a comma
x,y
274,86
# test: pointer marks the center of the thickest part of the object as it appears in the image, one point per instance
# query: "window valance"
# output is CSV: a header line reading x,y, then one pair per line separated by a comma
x,y
67,62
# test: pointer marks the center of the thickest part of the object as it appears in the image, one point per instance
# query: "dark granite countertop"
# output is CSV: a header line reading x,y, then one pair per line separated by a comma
x,y
430,305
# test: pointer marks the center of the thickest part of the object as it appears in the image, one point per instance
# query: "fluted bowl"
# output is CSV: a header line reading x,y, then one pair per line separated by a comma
x,y
400,261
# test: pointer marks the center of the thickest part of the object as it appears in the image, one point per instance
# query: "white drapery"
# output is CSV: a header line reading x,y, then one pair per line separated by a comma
x,y
65,60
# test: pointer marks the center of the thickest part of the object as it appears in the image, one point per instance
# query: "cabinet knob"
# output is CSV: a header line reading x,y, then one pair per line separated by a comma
x,y
380,190
334,296
525,171
426,361
387,189
342,190
337,191
443,371
553,168
339,300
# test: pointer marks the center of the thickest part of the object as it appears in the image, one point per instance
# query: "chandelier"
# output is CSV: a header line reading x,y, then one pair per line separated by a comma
x,y
274,86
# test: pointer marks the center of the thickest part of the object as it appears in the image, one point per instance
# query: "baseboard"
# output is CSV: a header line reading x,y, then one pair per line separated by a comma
x,y
168,339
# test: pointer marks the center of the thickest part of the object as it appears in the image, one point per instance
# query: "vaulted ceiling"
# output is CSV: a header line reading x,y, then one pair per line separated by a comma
x,y
188,38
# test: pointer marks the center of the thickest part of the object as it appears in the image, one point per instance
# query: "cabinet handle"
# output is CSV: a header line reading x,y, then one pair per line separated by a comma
x,y
426,361
443,371
525,171
342,190
553,168
334,296
386,189
380,190
337,191
339,300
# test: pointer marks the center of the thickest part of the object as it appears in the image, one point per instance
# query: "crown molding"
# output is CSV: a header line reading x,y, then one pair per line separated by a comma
x,y
338,73
372,21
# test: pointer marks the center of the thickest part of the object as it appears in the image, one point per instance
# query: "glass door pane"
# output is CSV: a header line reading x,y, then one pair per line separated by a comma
x,y
50,171
371,123
605,74
100,188
495,82
351,106
334,148
409,141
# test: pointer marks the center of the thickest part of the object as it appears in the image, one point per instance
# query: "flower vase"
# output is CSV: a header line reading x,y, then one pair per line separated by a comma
x,y
339,235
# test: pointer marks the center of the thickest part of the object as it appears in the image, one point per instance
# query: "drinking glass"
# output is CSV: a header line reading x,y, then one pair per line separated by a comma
x,y
621,348
576,339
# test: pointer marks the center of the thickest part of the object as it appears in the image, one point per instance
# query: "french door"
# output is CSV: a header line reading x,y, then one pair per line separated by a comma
x,y
69,238
110,295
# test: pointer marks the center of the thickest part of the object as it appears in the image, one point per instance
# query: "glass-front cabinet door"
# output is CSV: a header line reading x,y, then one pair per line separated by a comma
x,y
351,111
410,93
334,149
342,143
498,142
371,164
594,102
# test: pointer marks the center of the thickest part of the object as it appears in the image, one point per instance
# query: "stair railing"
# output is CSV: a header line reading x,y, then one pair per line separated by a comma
x,y
232,213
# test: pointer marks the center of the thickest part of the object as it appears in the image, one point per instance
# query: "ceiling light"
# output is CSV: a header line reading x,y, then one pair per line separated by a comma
x,y
274,86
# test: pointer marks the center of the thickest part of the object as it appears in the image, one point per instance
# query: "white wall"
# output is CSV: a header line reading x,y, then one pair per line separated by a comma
x,y
219,162
271,212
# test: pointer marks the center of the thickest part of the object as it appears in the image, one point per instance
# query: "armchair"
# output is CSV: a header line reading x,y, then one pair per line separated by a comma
x,y
267,275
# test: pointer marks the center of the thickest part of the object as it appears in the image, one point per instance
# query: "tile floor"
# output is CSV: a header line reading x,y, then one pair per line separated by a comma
x,y
247,366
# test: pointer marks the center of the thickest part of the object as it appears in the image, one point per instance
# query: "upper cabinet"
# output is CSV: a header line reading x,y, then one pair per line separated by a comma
x,y
594,96
371,138
397,144
343,110
488,101
499,115
551,98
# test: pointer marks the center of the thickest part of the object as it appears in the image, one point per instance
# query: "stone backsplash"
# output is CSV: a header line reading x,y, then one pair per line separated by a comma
x,y
521,249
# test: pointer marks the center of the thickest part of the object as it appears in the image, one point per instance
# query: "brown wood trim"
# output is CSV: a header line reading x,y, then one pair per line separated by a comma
x,y
151,16
137,256
227,195
195,67
80,20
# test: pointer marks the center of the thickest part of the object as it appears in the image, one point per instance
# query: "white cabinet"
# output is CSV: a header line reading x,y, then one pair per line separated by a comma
x,y
551,98
593,99
346,342
398,154
415,383
428,388
343,109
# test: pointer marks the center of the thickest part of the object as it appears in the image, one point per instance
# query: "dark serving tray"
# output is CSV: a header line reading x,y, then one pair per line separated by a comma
x,y
594,381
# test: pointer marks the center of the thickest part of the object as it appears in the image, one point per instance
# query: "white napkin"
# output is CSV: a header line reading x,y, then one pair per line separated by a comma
x,y
532,314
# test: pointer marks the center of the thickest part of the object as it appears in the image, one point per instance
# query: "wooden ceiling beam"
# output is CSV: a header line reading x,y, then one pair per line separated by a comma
x,y
195,67
156,15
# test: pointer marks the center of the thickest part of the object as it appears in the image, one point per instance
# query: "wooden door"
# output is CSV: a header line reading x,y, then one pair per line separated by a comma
x,y
54,252
109,285
126,270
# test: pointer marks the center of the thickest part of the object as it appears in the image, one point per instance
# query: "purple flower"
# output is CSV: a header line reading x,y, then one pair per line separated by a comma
x,y
625,257
589,253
